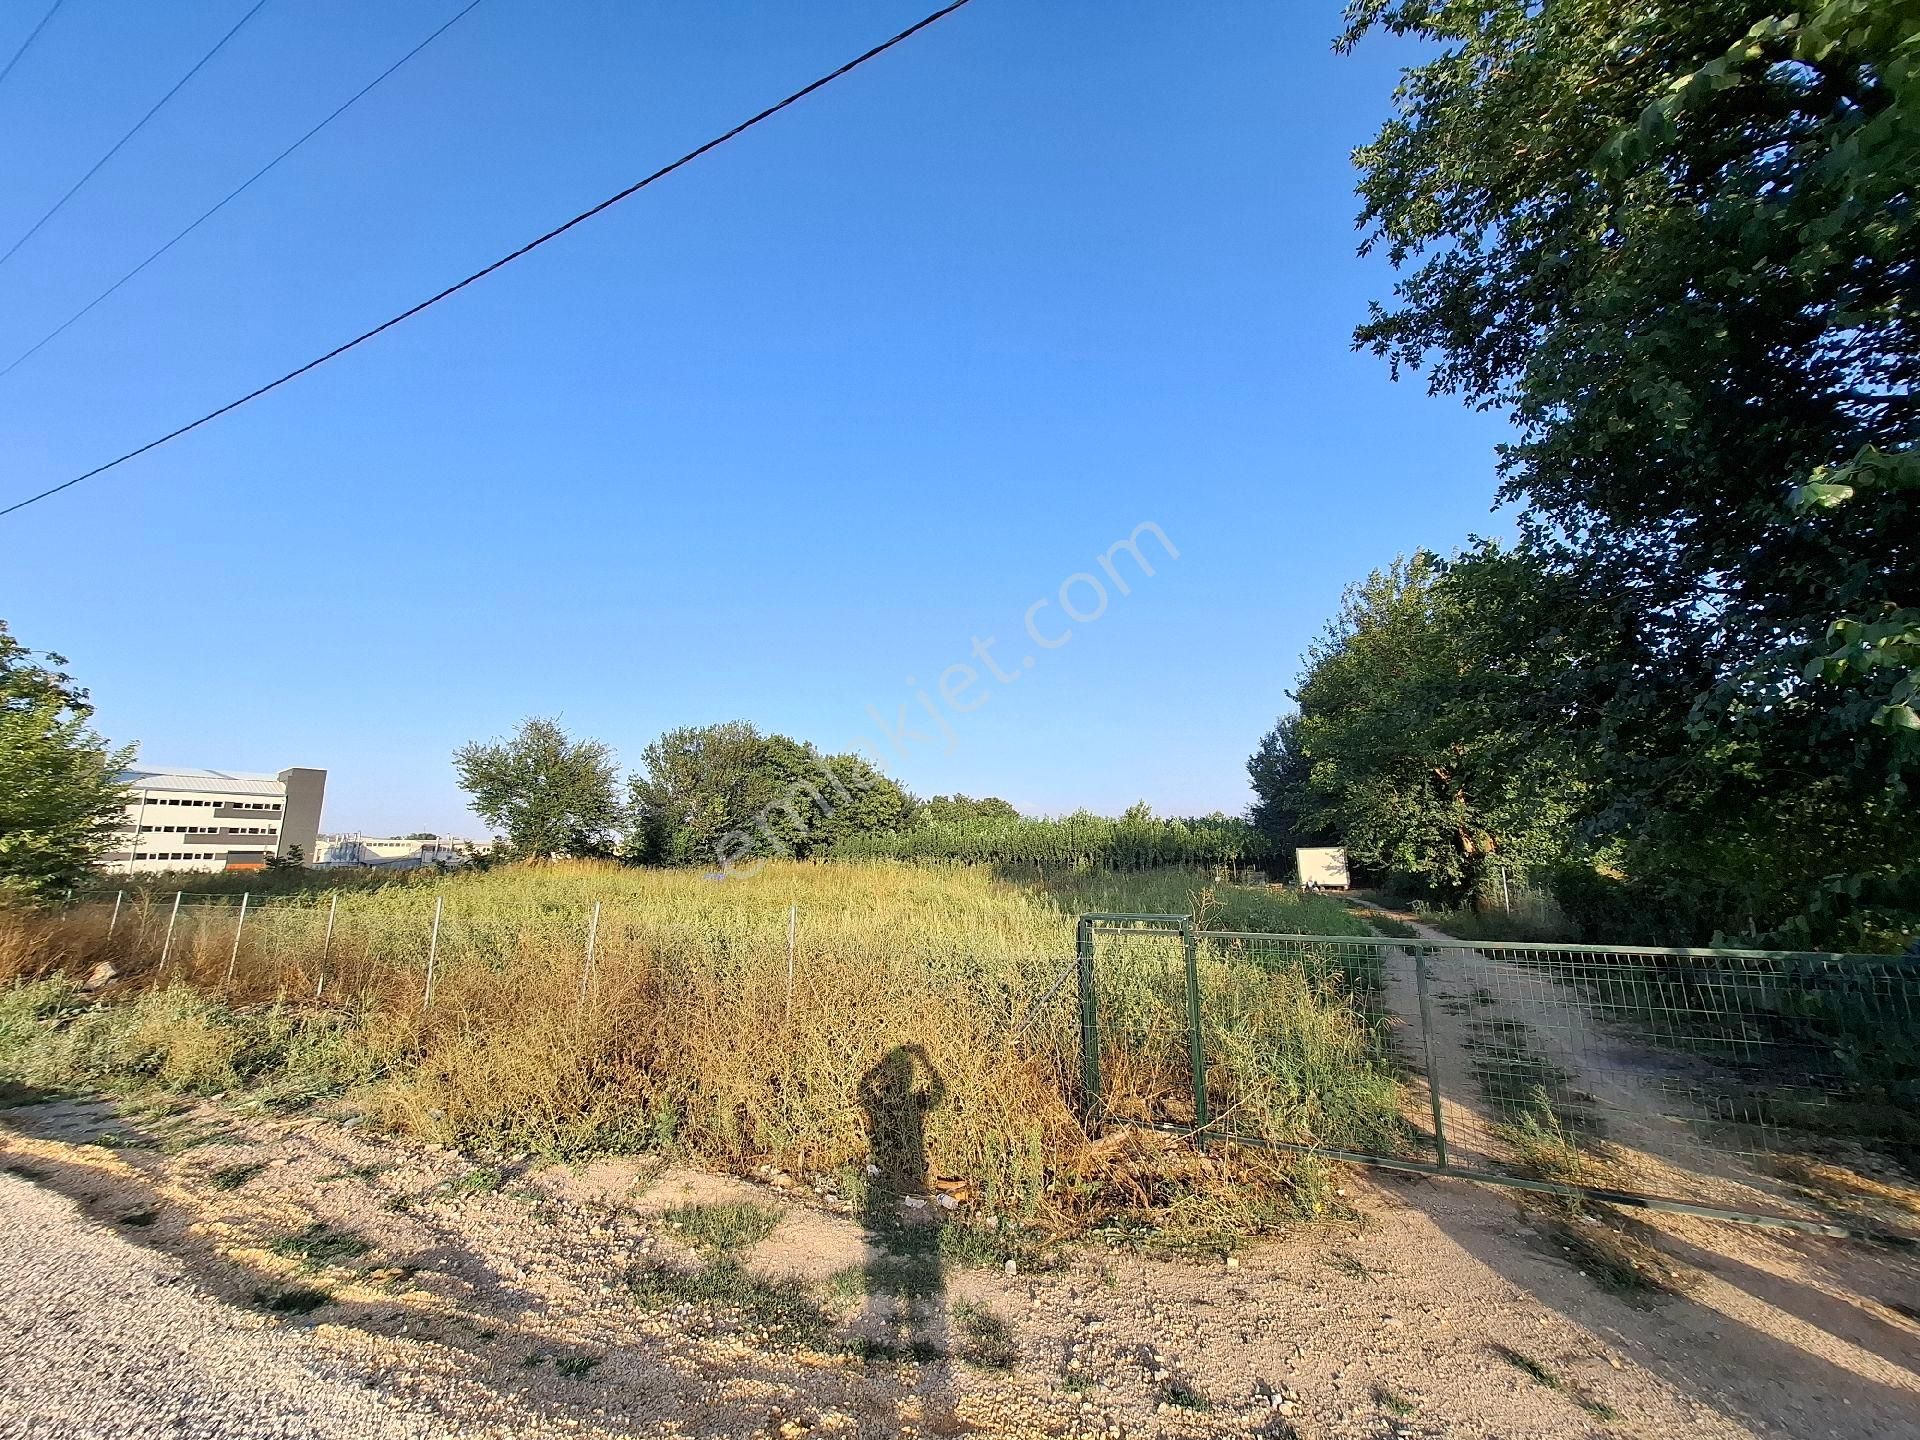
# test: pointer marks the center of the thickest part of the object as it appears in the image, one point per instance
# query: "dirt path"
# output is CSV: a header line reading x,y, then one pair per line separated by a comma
x,y
1777,1323
143,1252
1642,1102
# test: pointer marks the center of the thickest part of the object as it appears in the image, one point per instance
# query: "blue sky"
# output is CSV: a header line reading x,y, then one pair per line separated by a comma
x,y
801,422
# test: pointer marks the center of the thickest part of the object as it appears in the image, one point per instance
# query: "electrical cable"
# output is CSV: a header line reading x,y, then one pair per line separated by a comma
x,y
27,44
237,191
138,126
504,260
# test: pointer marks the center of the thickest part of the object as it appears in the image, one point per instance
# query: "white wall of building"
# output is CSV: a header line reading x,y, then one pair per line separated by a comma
x,y
392,852
208,820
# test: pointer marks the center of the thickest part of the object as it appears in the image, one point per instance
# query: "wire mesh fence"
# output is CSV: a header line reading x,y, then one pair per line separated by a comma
x,y
425,945
1754,1085
1759,1085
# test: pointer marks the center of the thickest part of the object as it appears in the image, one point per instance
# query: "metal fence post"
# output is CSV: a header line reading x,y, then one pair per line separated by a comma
x,y
1089,1021
166,947
586,967
114,919
233,956
1196,1033
1420,954
433,953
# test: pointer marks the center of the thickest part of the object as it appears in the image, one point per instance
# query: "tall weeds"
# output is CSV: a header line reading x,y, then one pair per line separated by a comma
x,y
695,1028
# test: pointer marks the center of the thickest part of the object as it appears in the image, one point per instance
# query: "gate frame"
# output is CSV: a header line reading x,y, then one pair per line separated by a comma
x,y
1095,923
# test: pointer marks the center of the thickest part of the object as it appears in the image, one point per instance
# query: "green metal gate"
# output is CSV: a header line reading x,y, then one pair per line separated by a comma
x,y
1773,1088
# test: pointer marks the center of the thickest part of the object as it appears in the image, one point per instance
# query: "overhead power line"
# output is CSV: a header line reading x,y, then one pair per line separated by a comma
x,y
27,44
238,190
507,259
138,126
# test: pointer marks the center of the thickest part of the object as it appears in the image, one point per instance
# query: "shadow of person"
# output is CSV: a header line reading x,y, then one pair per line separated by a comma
x,y
905,1312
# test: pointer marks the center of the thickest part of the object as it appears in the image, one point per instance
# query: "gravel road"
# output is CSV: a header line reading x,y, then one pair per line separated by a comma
x,y
103,1338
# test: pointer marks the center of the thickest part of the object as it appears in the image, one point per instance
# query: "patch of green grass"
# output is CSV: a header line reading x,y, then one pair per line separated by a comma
x,y
1542,1376
985,1339
1387,925
483,1180
164,1108
320,1244
1545,924
847,1285
358,1172
1394,1403
1346,1264
1528,1366
14,1095
296,1300
911,1276
871,1347
722,1228
1601,1244
784,1308
575,1366
114,1140
1523,1087
1182,1396
173,1041
232,1177
966,1243
183,1137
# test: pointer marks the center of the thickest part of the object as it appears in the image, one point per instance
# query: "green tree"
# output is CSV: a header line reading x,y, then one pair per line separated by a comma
x,y
944,809
61,801
1677,244
293,860
1283,803
726,793
1405,748
551,794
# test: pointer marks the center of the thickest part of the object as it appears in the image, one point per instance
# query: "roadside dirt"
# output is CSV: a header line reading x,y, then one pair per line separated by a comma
x,y
494,1298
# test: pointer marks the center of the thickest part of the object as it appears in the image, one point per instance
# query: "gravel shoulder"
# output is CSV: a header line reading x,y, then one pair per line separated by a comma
x,y
102,1337
138,1251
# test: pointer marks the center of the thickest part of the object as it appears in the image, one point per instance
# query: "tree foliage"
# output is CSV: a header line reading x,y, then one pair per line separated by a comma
x,y
1676,241
1136,840
552,795
61,801
725,793
944,809
1407,747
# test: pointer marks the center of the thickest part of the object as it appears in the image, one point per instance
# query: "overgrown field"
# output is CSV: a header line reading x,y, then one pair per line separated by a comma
x,y
931,1000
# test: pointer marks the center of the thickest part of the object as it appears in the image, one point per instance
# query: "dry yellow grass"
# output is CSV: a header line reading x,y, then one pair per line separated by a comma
x,y
687,1032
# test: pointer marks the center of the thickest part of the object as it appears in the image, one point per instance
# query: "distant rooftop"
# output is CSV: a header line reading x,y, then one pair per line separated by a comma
x,y
185,777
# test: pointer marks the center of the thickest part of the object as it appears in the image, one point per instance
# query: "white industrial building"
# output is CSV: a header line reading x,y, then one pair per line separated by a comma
x,y
394,852
182,819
